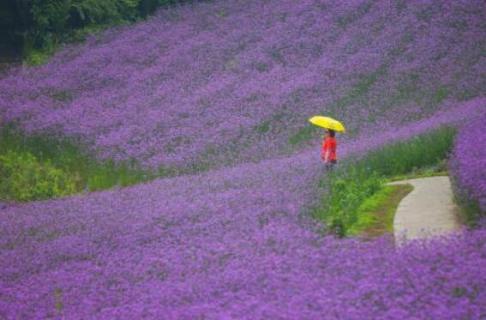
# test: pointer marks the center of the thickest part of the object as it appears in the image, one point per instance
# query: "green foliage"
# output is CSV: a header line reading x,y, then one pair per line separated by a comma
x,y
48,23
49,17
347,188
421,151
42,166
437,170
356,180
376,213
24,178
54,20
38,56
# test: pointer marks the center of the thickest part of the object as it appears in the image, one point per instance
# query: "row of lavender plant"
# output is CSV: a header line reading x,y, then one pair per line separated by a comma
x,y
468,167
229,243
237,242
227,80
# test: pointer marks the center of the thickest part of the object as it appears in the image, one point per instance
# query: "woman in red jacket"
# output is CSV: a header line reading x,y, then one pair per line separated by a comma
x,y
328,152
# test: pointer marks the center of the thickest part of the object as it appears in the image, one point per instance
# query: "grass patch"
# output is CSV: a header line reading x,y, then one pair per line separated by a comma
x,y
414,155
42,166
419,174
24,177
357,180
347,189
376,213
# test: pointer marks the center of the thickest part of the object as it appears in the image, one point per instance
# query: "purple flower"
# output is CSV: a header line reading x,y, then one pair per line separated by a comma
x,y
469,160
192,84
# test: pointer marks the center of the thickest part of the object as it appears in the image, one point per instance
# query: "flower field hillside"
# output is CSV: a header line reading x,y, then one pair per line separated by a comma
x,y
233,83
229,243
236,81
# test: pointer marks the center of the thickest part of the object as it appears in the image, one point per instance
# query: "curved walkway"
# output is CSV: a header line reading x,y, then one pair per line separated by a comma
x,y
427,211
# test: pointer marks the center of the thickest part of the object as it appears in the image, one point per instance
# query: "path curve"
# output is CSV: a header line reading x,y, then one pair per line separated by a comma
x,y
429,210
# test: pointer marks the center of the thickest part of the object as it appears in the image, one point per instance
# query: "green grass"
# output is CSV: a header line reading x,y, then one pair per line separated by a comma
x,y
347,188
46,165
356,180
376,213
24,177
43,159
422,151
427,173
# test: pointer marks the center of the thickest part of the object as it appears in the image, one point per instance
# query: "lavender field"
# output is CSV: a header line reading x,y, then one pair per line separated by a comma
x,y
231,84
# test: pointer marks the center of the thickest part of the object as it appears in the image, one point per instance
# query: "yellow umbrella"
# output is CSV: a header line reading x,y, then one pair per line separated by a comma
x,y
328,123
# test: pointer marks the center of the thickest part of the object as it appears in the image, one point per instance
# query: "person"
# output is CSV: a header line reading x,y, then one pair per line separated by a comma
x,y
328,152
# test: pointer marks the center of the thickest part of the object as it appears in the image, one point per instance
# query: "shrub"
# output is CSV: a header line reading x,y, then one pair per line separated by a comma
x,y
347,188
46,23
468,170
24,178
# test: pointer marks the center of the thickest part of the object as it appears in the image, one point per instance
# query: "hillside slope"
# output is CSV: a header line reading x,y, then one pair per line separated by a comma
x,y
235,242
232,81
228,82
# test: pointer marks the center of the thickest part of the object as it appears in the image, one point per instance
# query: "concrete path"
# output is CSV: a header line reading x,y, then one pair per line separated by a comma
x,y
426,211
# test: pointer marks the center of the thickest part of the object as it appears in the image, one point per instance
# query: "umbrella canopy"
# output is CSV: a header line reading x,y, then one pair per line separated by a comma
x,y
328,123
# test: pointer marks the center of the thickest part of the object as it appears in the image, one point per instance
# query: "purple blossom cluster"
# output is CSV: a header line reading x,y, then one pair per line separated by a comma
x,y
237,78
237,242
230,243
469,159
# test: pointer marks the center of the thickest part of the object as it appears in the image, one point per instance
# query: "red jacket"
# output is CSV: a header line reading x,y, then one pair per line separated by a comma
x,y
329,145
